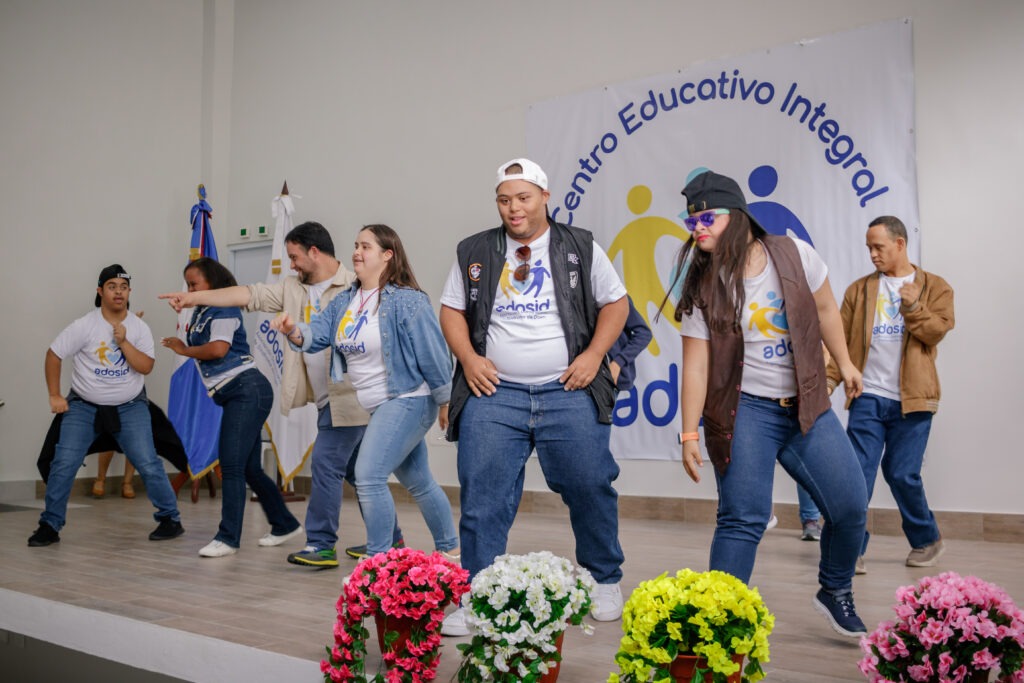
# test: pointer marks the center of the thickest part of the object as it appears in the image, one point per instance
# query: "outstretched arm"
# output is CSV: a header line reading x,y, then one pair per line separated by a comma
x,y
224,297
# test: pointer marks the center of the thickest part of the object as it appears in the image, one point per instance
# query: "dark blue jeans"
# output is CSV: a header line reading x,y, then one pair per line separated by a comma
x,y
496,436
880,433
246,401
822,461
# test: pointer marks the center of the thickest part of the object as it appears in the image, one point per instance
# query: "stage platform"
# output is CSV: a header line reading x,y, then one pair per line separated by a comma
x,y
107,591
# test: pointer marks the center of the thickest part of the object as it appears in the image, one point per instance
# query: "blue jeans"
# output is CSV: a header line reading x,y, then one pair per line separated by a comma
x,y
77,432
808,510
246,401
393,443
822,461
496,436
332,462
877,424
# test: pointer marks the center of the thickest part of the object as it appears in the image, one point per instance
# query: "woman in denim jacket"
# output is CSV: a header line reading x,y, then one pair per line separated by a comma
x,y
386,338
216,340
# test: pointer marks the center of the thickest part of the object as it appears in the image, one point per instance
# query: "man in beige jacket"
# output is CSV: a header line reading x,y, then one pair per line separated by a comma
x,y
894,319
341,421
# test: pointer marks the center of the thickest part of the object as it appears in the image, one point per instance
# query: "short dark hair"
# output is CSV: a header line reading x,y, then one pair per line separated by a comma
x,y
215,274
311,234
894,226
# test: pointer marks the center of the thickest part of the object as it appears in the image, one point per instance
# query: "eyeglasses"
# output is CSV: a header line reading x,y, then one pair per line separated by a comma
x,y
706,218
522,271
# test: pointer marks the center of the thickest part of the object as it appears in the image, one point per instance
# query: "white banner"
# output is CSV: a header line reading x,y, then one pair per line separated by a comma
x,y
291,436
819,135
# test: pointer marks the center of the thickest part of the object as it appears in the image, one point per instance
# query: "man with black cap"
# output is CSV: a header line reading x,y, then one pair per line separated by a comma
x,y
530,310
111,351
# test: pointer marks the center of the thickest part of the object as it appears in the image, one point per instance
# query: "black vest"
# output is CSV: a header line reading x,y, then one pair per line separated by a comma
x,y
571,252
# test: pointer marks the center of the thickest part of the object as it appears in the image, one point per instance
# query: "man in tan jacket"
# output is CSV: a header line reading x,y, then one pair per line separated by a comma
x,y
894,319
341,421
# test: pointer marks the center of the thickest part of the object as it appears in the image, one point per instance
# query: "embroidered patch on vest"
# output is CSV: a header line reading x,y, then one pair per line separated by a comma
x,y
474,271
573,259
574,278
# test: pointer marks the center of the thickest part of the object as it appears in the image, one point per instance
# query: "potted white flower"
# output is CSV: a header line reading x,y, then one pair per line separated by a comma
x,y
518,611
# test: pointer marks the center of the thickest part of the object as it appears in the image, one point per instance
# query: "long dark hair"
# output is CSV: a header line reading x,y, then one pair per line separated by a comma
x,y
397,271
216,275
720,298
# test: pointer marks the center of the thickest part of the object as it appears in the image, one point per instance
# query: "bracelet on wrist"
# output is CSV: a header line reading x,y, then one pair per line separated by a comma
x,y
689,436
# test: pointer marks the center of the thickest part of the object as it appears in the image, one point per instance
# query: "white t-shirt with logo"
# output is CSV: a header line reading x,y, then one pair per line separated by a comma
x,y
768,368
316,363
101,373
882,369
525,339
358,337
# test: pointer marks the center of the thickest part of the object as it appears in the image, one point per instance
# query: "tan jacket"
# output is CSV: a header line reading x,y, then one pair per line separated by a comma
x,y
926,323
290,295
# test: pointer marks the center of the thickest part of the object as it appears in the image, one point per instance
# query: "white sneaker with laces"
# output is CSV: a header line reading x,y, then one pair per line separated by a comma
x,y
270,540
217,549
455,624
606,602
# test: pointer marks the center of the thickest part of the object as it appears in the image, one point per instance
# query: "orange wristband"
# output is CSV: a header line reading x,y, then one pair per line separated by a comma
x,y
689,436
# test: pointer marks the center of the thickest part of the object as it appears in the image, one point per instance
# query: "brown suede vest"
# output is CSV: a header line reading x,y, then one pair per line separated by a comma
x,y
725,363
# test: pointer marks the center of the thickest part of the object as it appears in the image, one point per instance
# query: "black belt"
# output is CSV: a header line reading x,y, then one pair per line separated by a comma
x,y
787,402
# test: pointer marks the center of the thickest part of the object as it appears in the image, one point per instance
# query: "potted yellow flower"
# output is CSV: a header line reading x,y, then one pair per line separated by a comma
x,y
712,616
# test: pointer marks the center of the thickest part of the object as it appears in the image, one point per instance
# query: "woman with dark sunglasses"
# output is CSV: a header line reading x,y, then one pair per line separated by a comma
x,y
754,311
386,338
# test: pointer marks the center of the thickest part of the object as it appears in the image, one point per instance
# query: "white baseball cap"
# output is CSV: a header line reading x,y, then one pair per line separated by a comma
x,y
531,173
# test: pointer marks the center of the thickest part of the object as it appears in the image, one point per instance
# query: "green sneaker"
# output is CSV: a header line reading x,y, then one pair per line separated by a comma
x,y
358,552
311,557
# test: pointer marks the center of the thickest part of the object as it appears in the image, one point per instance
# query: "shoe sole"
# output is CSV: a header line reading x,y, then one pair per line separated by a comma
x,y
321,564
928,563
808,537
42,544
167,538
834,624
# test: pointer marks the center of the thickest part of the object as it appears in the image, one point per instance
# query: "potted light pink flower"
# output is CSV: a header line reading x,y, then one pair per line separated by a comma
x,y
406,591
947,628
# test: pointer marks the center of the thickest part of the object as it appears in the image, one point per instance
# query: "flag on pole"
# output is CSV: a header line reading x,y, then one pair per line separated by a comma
x,y
291,435
193,413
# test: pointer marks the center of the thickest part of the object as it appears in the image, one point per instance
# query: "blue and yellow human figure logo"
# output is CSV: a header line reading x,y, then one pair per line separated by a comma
x,y
887,307
109,356
637,242
769,319
349,326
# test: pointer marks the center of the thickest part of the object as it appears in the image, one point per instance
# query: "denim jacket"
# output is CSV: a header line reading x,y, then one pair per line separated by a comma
x,y
198,333
413,346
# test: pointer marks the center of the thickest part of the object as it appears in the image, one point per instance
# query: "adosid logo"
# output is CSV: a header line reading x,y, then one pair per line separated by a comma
x,y
113,359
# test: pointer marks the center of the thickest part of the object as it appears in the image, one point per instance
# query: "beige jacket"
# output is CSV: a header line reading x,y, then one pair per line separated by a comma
x,y
290,295
926,323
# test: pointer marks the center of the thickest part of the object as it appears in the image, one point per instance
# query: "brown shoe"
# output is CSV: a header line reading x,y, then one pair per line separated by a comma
x,y
127,491
98,488
926,556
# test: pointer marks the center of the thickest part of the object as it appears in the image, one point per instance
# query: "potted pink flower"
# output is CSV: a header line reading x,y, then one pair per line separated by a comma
x,y
406,591
948,628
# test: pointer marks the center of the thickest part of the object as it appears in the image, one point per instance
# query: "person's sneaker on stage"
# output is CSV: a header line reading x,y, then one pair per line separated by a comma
x,y
811,531
860,567
358,552
926,556
269,540
310,556
840,612
43,536
167,530
454,625
606,602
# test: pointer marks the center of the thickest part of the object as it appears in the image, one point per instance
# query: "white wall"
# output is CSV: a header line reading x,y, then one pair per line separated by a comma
x,y
398,112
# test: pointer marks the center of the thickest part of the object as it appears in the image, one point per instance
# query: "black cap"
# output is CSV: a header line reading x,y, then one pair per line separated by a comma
x,y
711,190
109,273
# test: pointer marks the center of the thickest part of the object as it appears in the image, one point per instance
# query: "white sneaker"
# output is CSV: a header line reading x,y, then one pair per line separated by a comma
x,y
606,602
772,523
270,540
455,624
217,549
454,558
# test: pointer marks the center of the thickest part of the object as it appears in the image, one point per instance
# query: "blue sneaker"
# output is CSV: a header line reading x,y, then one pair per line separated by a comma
x,y
840,612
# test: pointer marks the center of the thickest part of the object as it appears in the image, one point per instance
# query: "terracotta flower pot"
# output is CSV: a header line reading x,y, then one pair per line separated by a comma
x,y
401,625
552,675
683,667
